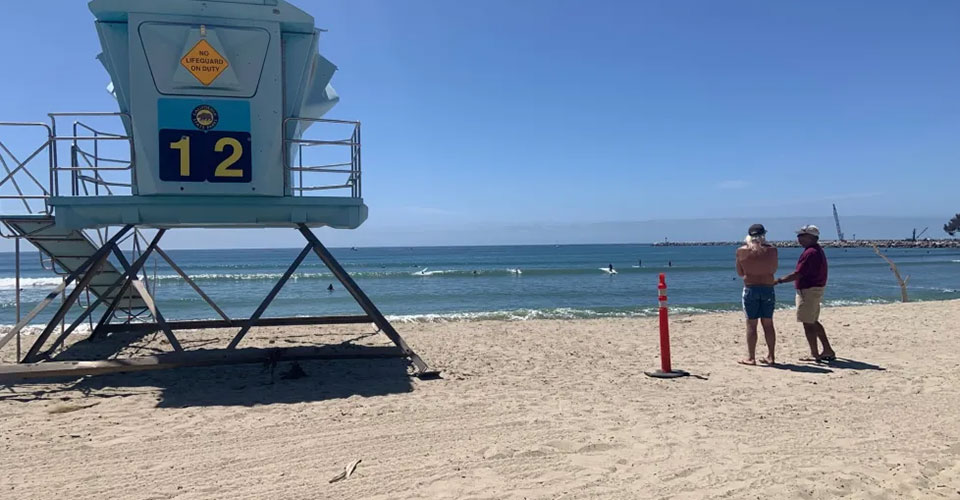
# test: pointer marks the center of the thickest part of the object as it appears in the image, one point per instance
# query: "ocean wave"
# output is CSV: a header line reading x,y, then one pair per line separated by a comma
x,y
36,329
935,289
241,277
11,283
547,313
424,272
405,274
847,302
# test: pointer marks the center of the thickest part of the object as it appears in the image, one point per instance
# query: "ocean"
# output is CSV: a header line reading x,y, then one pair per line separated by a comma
x,y
482,282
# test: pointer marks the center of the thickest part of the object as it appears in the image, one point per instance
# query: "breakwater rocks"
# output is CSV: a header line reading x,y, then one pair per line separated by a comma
x,y
825,243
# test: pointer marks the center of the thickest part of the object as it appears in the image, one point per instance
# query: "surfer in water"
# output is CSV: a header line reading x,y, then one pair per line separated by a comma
x,y
330,287
610,267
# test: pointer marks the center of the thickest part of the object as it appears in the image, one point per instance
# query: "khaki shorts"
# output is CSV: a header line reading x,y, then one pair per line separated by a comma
x,y
808,304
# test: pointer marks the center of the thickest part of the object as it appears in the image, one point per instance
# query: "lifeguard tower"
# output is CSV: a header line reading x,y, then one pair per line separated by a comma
x,y
215,101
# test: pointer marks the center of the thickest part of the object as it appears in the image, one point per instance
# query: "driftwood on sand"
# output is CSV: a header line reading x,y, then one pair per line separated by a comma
x,y
346,472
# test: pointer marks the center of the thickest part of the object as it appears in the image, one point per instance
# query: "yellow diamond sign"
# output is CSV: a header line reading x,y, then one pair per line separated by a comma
x,y
204,62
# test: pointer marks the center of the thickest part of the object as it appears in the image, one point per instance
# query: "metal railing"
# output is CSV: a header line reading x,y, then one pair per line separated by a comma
x,y
89,170
8,157
91,161
349,170
88,173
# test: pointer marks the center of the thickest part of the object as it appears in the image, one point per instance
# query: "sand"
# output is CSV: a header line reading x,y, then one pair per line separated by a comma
x,y
536,409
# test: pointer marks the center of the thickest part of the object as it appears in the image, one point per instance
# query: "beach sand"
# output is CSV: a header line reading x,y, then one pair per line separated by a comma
x,y
536,409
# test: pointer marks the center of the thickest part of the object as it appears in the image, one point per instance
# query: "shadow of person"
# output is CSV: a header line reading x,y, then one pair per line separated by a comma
x,y
850,364
801,368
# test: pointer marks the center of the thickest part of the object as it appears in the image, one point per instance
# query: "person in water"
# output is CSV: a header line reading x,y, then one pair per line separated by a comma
x,y
330,287
610,267
757,263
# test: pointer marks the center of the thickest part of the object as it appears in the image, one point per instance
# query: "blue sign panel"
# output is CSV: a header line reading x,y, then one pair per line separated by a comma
x,y
204,140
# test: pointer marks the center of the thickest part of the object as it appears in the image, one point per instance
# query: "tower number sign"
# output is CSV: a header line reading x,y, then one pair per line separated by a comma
x,y
205,155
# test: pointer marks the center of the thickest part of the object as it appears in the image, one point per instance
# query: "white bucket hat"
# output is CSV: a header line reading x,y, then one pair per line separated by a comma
x,y
809,229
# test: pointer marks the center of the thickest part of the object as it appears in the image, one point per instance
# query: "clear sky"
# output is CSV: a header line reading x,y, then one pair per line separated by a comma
x,y
478,116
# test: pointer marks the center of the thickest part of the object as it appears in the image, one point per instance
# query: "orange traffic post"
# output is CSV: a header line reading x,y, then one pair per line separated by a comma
x,y
665,370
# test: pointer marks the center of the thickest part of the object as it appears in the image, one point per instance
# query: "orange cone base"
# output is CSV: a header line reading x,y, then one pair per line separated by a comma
x,y
663,374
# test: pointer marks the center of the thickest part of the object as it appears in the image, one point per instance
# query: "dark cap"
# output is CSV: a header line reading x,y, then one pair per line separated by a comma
x,y
757,230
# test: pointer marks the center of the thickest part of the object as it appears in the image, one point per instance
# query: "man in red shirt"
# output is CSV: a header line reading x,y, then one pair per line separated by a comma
x,y
811,279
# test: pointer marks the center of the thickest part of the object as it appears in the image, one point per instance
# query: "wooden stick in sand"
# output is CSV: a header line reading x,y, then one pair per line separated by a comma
x,y
896,272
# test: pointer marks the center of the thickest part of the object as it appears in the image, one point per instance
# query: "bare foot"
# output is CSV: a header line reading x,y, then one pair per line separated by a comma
x,y
767,361
748,362
811,359
828,356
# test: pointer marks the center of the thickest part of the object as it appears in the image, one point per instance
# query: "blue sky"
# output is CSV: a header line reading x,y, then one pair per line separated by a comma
x,y
481,116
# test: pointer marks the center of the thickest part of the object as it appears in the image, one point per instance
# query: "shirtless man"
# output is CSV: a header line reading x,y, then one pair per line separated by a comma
x,y
756,263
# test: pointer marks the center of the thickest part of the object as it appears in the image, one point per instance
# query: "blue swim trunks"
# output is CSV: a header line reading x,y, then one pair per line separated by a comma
x,y
759,301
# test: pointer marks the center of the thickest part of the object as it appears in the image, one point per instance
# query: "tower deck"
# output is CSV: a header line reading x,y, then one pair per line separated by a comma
x,y
76,212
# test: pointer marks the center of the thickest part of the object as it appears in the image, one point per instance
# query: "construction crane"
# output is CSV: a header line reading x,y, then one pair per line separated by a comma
x,y
836,218
915,235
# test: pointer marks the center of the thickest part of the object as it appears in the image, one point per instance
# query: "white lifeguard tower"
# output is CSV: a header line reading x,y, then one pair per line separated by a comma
x,y
215,101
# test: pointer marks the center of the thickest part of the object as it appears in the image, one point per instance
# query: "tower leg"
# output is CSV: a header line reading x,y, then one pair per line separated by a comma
x,y
423,371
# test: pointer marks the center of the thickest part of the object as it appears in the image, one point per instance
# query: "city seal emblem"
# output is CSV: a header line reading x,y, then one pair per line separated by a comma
x,y
204,117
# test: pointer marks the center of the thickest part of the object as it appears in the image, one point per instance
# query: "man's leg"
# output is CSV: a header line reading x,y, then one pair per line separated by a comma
x,y
770,335
811,331
751,342
807,315
822,335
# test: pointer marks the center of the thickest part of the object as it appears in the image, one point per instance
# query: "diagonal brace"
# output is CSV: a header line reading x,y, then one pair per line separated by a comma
x,y
192,284
270,296
124,278
364,301
142,290
60,288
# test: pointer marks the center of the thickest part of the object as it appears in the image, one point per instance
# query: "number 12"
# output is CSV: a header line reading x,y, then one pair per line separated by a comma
x,y
190,156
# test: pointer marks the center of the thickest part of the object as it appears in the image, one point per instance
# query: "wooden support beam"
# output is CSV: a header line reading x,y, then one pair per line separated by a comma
x,y
237,323
50,369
